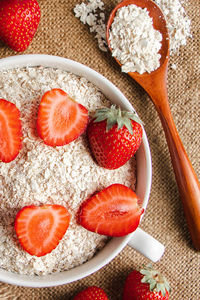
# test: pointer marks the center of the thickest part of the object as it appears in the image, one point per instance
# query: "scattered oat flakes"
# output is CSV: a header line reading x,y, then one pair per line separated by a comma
x,y
178,23
93,15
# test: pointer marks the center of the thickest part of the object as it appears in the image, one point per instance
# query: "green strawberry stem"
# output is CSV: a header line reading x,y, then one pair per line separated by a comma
x,y
157,282
114,115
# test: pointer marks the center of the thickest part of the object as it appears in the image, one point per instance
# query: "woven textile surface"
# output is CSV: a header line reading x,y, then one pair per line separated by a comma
x,y
60,33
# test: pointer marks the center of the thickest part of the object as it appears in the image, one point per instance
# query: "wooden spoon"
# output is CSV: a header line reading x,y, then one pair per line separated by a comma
x,y
155,84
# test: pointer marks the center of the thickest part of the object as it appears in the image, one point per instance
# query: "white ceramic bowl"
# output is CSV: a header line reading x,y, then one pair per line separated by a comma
x,y
141,240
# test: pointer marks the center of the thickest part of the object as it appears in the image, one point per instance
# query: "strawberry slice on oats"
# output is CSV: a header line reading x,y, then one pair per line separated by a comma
x,y
60,118
114,211
40,228
10,131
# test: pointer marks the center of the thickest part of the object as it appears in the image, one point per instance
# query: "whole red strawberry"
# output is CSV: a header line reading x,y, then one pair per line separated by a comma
x,y
91,293
147,284
114,136
19,20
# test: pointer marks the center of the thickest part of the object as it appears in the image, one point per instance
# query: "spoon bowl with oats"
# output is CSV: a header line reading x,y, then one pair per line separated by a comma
x,y
133,37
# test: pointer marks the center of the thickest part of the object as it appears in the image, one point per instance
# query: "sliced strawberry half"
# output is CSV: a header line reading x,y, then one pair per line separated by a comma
x,y
40,228
10,131
60,119
114,211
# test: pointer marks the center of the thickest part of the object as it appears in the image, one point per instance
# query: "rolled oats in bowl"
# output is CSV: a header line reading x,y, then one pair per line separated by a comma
x,y
40,174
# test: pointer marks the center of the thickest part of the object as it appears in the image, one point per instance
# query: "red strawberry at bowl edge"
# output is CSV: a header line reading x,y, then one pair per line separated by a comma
x,y
19,20
40,228
10,131
91,293
60,118
114,211
114,136
146,284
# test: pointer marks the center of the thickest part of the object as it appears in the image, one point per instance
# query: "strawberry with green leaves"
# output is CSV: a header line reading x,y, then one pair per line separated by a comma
x,y
114,136
19,20
91,293
114,211
146,284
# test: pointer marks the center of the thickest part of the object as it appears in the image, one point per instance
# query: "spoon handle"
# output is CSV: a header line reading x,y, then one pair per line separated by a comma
x,y
187,181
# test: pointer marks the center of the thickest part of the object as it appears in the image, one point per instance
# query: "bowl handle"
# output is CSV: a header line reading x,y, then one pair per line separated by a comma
x,y
146,245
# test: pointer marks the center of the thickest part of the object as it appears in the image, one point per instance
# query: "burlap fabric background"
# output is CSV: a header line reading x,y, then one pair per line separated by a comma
x,y
60,33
